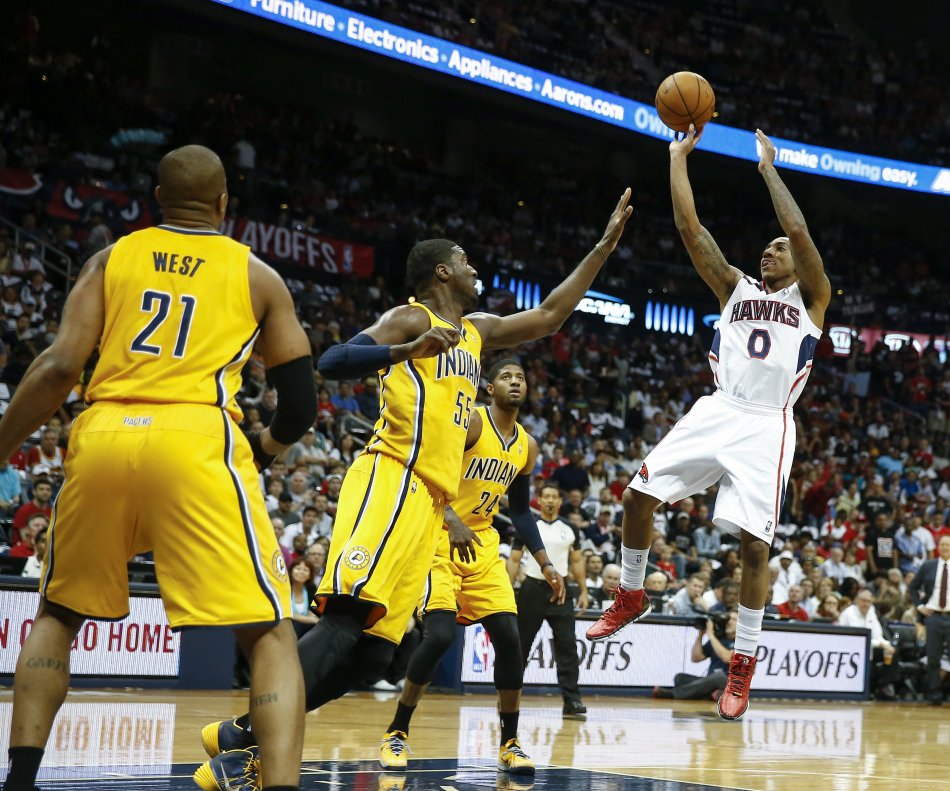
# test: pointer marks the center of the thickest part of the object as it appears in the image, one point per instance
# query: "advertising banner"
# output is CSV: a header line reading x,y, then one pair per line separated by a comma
x,y
651,654
142,644
302,248
410,46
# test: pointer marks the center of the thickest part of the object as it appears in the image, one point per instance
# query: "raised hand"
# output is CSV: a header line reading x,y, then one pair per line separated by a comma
x,y
766,151
615,224
433,342
687,143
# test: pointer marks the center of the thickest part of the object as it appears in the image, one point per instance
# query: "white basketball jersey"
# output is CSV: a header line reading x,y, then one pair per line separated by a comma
x,y
763,349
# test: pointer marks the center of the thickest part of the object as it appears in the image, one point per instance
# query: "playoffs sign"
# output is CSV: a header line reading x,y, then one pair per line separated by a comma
x,y
142,644
651,654
302,248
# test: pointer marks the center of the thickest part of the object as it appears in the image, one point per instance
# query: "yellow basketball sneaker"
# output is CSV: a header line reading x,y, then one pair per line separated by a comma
x,y
391,782
514,760
393,749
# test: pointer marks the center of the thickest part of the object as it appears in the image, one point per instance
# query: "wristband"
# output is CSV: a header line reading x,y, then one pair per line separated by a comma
x,y
262,457
600,250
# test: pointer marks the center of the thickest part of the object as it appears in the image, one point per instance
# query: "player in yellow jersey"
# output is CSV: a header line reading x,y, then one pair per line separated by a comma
x,y
157,461
499,457
389,518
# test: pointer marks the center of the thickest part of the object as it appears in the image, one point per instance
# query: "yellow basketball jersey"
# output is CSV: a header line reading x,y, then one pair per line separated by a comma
x,y
488,468
425,408
179,324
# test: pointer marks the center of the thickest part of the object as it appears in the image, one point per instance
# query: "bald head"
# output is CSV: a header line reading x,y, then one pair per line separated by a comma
x,y
191,181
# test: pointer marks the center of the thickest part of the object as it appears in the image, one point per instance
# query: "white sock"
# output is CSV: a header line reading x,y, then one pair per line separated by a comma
x,y
748,629
634,568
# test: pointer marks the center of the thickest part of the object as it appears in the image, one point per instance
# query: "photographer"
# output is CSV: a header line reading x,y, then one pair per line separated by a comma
x,y
720,629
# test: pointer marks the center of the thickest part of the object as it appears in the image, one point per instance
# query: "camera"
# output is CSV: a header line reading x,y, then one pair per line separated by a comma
x,y
718,619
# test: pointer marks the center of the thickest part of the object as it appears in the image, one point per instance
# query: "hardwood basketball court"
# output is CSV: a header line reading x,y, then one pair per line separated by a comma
x,y
135,739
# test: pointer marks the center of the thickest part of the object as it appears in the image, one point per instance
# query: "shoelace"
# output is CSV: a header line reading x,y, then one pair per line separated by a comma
x,y
737,679
397,745
515,749
252,772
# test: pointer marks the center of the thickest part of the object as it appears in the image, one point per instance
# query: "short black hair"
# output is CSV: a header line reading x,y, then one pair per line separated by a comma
x,y
424,257
309,508
549,485
502,363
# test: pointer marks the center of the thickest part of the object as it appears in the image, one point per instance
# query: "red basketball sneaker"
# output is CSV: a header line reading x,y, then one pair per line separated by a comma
x,y
734,699
628,607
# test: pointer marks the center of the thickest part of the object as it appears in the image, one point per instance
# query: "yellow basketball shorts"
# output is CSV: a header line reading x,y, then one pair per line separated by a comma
x,y
476,590
178,480
385,534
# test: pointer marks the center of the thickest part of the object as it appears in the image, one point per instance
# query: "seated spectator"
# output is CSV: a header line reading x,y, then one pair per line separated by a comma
x,y
345,402
834,566
604,596
879,542
347,450
285,510
9,491
718,649
274,489
34,563
26,546
300,490
839,528
852,567
862,614
808,594
368,399
572,476
723,596
827,610
605,500
310,453
301,594
793,609
689,600
667,562
333,484
316,556
656,585
708,540
789,573
38,504
595,566
278,524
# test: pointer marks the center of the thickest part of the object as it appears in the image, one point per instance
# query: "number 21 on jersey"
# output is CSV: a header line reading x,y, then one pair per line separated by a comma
x,y
159,304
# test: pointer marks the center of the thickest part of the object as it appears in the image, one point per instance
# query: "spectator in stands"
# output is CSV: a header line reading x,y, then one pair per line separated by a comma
x,y
333,484
316,556
828,609
595,567
345,402
300,490
689,600
279,529
301,594
852,568
723,596
326,413
307,526
572,476
26,546
793,609
309,453
879,540
49,453
347,449
602,534
708,539
789,572
286,510
862,614
656,585
834,567
38,504
34,563
368,399
9,491
808,597
911,552
604,596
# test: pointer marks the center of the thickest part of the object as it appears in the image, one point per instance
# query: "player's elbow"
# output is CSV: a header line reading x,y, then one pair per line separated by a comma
x,y
60,366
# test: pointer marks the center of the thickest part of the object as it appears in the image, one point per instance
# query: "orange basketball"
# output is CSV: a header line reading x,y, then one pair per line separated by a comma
x,y
685,98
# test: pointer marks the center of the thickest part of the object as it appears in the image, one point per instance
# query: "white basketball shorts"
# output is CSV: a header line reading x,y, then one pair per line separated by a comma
x,y
747,447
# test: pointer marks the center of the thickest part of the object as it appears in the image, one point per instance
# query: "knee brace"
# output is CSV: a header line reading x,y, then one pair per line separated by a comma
x,y
502,628
439,634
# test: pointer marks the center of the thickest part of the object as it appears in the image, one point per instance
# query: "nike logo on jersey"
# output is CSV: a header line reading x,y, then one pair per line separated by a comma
x,y
766,310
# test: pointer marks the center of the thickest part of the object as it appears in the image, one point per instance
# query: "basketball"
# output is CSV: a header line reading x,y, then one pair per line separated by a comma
x,y
685,98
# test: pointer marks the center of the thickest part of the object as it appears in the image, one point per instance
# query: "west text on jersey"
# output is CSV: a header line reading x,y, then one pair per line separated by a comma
x,y
186,265
489,469
458,362
766,310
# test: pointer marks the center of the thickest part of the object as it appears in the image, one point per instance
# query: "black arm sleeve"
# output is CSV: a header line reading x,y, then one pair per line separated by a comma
x,y
519,509
360,356
296,399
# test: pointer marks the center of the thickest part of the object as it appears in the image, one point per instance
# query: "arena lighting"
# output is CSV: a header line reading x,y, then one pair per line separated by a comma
x,y
409,46
673,319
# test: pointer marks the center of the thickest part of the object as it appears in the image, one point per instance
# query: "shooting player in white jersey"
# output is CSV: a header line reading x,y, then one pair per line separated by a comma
x,y
743,435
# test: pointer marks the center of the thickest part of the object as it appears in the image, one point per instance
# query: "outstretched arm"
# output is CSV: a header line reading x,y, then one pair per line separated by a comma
x,y
812,280
702,248
503,332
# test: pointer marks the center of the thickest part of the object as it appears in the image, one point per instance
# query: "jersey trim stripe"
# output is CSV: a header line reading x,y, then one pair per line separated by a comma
x,y
417,417
249,532
337,580
426,593
781,458
50,540
393,518
797,382
188,231
219,377
501,439
376,438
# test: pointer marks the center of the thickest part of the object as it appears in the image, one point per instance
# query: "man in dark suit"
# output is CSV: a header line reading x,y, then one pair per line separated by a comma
x,y
931,592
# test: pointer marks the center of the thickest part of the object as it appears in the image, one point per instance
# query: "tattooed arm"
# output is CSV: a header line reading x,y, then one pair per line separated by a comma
x,y
703,250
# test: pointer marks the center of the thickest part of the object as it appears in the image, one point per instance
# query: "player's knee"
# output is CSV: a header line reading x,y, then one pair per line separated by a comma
x,y
439,631
509,669
755,552
376,654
